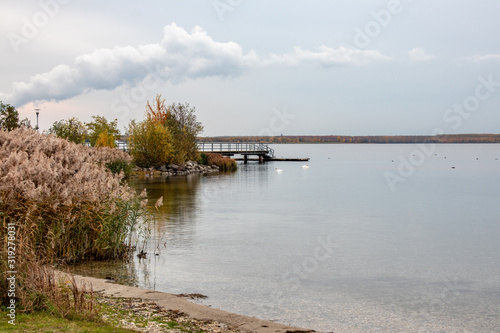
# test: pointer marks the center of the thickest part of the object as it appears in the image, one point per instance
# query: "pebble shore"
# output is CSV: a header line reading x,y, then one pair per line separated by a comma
x,y
152,311
147,316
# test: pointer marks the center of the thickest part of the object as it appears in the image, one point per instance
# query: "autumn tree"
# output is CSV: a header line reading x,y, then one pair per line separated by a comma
x,y
105,140
150,143
181,121
99,125
157,110
70,129
167,135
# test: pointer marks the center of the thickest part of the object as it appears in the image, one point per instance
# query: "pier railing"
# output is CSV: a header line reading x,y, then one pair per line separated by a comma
x,y
234,148
225,148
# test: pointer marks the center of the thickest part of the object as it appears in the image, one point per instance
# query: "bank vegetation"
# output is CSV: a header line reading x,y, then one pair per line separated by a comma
x,y
63,198
61,203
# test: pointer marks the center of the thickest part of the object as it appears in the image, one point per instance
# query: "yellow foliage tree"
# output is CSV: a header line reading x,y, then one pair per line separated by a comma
x,y
150,143
105,140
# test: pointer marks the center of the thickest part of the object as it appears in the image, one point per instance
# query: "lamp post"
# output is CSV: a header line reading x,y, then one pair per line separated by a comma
x,y
37,112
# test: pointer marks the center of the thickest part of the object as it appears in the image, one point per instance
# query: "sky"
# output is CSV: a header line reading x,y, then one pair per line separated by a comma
x,y
260,67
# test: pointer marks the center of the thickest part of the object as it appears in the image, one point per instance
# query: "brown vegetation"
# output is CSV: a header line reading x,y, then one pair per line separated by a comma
x,y
65,207
224,163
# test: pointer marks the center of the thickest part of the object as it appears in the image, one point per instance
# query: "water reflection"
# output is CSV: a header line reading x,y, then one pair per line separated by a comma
x,y
187,202
174,228
254,174
221,190
398,256
124,272
174,221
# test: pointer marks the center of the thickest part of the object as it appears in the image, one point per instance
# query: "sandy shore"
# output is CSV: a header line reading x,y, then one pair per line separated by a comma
x,y
195,311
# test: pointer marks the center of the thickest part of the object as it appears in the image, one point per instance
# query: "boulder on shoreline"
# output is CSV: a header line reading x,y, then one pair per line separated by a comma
x,y
171,170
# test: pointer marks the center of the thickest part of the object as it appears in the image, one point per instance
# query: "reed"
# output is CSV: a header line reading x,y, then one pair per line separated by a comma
x,y
66,207
224,163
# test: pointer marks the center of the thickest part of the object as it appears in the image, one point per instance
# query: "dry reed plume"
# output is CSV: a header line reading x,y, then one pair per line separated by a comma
x,y
65,206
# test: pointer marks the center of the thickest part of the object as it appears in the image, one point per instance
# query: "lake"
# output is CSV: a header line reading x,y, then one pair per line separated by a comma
x,y
386,238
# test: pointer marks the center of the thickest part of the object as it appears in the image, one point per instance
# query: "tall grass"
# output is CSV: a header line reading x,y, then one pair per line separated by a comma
x,y
224,163
65,204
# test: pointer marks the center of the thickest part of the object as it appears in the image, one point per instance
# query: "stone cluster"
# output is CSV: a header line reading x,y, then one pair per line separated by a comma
x,y
176,170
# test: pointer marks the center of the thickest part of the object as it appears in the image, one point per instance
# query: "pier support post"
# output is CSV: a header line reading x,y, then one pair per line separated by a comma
x,y
245,159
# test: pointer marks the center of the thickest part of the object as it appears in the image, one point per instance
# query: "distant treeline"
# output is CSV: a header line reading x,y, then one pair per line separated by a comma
x,y
445,138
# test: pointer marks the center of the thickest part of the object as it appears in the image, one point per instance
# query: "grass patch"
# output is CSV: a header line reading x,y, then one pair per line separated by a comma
x,y
44,322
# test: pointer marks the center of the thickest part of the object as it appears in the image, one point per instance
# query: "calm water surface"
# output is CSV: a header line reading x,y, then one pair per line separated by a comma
x,y
333,247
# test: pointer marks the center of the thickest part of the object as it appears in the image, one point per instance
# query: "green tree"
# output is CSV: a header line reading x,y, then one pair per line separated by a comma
x,y
150,143
71,129
99,125
9,117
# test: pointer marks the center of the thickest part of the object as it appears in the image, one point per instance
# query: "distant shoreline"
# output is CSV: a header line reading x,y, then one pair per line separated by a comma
x,y
398,139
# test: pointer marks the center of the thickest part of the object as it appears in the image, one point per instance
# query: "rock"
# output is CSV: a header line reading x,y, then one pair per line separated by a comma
x,y
173,166
175,170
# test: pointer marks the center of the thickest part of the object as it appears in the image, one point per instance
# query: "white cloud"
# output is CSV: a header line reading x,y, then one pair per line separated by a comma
x,y
487,57
418,55
179,56
328,57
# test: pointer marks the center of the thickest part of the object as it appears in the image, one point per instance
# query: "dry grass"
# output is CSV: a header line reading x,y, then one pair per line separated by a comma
x,y
42,290
224,163
66,207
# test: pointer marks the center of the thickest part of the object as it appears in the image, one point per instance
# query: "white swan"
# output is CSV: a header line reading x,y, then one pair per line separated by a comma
x,y
278,170
305,166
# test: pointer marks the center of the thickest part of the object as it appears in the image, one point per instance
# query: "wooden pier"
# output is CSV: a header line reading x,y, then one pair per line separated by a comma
x,y
277,159
261,150
246,149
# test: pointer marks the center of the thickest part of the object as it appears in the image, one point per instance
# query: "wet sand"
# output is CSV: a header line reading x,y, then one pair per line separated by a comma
x,y
182,304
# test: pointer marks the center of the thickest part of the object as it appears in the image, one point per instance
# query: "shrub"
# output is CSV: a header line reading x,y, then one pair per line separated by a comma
x,y
203,159
120,166
224,163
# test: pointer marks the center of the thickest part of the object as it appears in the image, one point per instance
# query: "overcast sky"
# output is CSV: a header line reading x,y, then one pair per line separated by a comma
x,y
250,67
